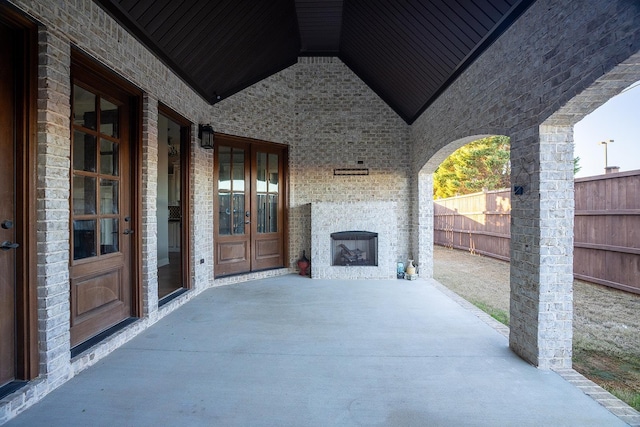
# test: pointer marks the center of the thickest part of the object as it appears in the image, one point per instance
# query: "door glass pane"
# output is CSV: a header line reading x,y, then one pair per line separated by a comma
x,y
108,118
224,173
261,173
84,238
273,213
84,152
238,170
273,173
108,235
108,196
108,157
84,108
238,213
262,213
84,195
224,214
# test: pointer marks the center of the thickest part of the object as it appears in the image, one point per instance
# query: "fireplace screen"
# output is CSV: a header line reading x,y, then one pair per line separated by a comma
x,y
354,248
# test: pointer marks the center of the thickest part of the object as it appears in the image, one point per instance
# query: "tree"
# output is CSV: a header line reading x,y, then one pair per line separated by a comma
x,y
484,163
576,165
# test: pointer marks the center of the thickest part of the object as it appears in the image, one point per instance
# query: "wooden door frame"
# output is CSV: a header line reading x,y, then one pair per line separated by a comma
x,y
256,237
253,145
80,61
185,191
27,355
241,144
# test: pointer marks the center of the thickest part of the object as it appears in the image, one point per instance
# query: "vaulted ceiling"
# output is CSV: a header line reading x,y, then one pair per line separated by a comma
x,y
407,51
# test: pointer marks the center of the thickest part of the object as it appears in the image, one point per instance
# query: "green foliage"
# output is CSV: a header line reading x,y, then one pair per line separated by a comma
x,y
498,314
484,163
576,165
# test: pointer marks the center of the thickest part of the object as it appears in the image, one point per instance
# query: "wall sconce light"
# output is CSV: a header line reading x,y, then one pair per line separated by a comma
x,y
205,133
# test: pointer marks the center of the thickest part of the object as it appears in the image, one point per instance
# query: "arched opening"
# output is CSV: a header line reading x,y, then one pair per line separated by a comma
x,y
606,261
472,205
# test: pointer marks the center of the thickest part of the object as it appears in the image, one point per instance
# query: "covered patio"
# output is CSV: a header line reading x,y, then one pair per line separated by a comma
x,y
292,351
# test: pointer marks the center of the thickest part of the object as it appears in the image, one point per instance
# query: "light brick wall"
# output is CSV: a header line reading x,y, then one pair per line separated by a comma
x,y
340,121
149,225
53,192
552,67
201,213
330,119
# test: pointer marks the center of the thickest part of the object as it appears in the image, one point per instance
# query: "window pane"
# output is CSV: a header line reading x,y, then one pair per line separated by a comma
x,y
273,173
84,108
109,233
224,174
262,213
224,214
238,170
108,196
273,213
84,152
108,157
238,213
84,195
84,239
108,118
261,172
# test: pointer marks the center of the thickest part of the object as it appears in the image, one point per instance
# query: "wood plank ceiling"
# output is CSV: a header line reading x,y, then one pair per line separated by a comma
x,y
407,51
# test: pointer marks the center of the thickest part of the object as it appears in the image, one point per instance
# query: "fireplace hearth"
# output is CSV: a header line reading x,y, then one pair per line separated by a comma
x,y
354,248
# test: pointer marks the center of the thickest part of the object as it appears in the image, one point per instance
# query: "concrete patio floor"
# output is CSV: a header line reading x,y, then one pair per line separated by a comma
x,y
291,351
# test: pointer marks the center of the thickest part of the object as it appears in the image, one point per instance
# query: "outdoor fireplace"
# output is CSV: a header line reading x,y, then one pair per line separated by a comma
x,y
354,248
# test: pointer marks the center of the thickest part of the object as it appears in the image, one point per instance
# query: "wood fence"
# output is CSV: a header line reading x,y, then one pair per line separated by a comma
x,y
606,230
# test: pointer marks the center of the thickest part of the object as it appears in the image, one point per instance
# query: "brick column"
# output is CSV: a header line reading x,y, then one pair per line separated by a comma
x,y
149,226
202,214
424,220
542,246
53,190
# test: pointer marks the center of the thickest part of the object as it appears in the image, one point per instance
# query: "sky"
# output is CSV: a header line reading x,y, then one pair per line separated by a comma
x,y
617,119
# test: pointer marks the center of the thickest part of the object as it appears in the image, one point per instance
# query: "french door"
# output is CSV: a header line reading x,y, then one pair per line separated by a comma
x,y
18,315
102,221
8,244
250,205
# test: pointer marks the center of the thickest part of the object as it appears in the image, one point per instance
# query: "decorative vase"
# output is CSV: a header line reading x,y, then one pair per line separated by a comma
x,y
303,264
411,269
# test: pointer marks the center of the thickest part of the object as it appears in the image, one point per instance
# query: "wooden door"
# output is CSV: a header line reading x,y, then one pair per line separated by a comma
x,y
249,211
233,209
267,208
8,243
101,209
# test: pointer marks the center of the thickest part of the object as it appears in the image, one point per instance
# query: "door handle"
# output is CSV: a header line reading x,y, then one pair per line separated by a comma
x,y
6,245
127,231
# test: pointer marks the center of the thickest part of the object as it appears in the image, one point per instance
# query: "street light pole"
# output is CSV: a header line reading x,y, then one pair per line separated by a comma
x,y
606,160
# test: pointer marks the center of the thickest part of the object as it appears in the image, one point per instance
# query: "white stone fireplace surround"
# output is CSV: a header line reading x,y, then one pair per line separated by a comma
x,y
376,217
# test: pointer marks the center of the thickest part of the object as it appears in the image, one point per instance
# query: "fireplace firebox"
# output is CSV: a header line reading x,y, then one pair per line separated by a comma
x,y
354,248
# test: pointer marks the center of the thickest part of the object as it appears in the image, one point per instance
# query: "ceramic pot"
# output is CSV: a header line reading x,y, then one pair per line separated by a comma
x,y
411,269
303,264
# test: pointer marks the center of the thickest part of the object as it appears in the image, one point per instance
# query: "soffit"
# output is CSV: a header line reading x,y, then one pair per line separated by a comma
x,y
407,51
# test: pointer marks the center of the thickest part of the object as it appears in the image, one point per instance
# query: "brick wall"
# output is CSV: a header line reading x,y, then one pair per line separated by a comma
x,y
556,64
330,119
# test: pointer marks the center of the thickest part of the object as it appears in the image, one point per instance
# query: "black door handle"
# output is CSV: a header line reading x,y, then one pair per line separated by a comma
x,y
6,245
127,231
